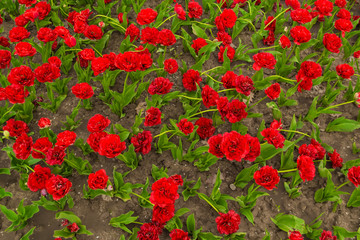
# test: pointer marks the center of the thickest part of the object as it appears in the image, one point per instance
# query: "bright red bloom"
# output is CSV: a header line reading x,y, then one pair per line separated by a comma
x,y
16,128
149,35
16,93
93,32
62,32
306,167
267,177
163,214
301,16
323,8
179,10
82,90
55,156
177,179
85,56
229,81
42,145
160,86
234,146
164,192
295,235
270,39
24,49
100,65
112,57
274,137
46,35
270,24
273,92
120,18
206,128
209,96
228,223
171,66
128,61
264,60
215,145
44,123
98,123
144,58
223,106
111,146
54,60
195,10
166,37
228,18
178,234
58,187
345,70
65,139
309,71
4,42
73,227
23,146
21,20
236,111
133,32
43,9
354,175
94,140
224,37
276,124
2,94
185,126
340,3
198,44
27,3
343,25
285,42
152,117
300,34
230,53
254,148
294,4
190,79
98,180
335,159
332,42
17,34
70,41
345,14
219,24
142,142
38,178
22,75
327,235
47,72
146,16
148,231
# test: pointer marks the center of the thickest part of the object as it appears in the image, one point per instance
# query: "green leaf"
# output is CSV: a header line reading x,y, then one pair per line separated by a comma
x,y
354,200
245,176
190,223
288,222
69,216
123,220
199,32
342,125
158,173
10,214
343,234
26,236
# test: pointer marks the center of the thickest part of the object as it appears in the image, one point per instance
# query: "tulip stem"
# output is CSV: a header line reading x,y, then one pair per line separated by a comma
x,y
342,185
211,69
209,203
257,49
338,105
127,75
38,151
277,17
209,110
189,97
139,196
9,110
163,133
293,131
257,103
288,170
113,21
29,168
288,79
212,78
228,89
166,20
291,52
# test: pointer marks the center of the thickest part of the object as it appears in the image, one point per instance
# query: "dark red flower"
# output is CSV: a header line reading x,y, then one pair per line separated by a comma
x,y
55,156
73,227
164,192
42,145
301,16
274,137
236,111
300,34
148,231
309,70
190,79
295,235
171,66
354,175
21,21
149,35
16,93
177,179
224,37
198,44
327,235
142,142
46,35
273,92
345,70
58,187
94,140
294,4
343,25
128,61
230,53
85,56
120,18
144,58
345,14
146,16
98,180
185,126
195,10
234,146
340,3
43,9
23,146
228,223
152,117
82,90
111,146
223,106
112,57
267,177
285,42
219,24
206,128
264,60
228,18
332,42
27,3
306,167
254,148
80,26
17,34
229,80
270,24
38,178
160,86
62,32
24,49
99,65
4,42
47,72
335,159
178,234
54,60
31,14
93,32
270,39
133,32
163,214
209,96
323,8
179,10
98,123
166,37
16,128
65,139
276,124
215,145
22,75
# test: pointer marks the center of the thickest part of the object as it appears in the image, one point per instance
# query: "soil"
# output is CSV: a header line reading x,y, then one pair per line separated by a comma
x,y
96,213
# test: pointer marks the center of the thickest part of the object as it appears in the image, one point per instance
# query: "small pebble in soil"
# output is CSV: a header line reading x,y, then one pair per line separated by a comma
x,y
232,187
